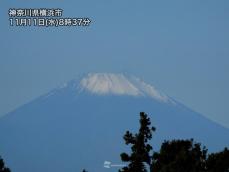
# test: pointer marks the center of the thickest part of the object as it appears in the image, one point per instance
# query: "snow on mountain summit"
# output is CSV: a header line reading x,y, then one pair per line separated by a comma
x,y
119,84
101,83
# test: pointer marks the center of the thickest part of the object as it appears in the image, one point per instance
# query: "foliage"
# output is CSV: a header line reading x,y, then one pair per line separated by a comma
x,y
180,156
173,156
3,168
140,148
218,162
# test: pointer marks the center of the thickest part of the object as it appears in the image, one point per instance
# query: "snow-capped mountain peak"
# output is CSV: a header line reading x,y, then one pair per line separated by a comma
x,y
119,84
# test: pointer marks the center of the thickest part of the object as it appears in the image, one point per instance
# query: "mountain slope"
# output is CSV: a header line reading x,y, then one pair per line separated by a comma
x,y
81,124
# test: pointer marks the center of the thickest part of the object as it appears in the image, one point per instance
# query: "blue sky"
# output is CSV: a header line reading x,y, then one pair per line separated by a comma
x,y
179,46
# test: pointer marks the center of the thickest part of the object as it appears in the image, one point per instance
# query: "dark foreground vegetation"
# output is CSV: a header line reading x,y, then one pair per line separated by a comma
x,y
3,168
173,156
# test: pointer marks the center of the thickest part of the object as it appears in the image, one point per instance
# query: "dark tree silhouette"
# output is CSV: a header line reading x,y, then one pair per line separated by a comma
x,y
180,156
84,170
218,162
3,168
174,156
140,149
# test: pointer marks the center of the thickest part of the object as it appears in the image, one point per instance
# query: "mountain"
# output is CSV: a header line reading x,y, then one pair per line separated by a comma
x,y
81,124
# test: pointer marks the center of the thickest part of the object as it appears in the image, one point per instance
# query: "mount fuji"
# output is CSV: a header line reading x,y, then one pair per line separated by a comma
x,y
81,124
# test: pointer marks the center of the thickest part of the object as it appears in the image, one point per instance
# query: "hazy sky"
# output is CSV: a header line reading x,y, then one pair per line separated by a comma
x,y
179,46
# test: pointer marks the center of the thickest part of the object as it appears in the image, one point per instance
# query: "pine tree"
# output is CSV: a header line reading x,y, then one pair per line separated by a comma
x,y
180,156
140,149
218,162
3,168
